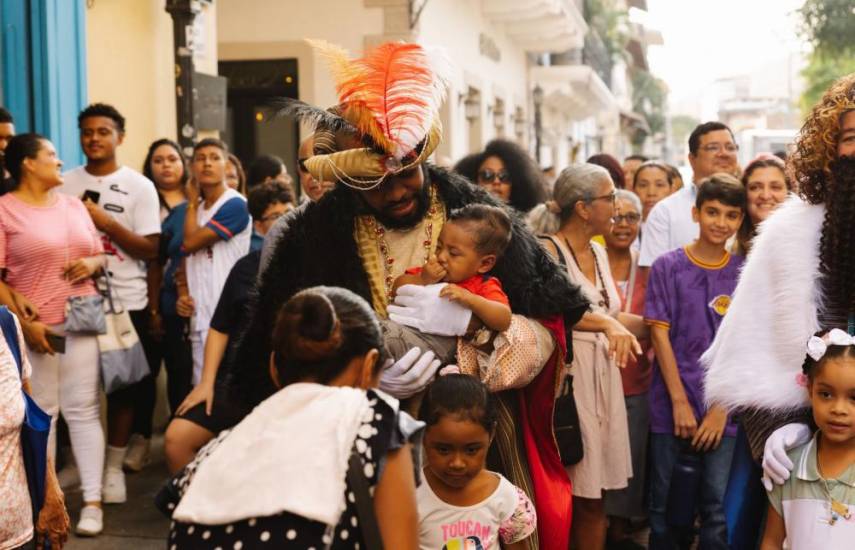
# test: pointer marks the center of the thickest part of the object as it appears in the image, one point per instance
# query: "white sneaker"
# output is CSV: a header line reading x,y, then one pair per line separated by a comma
x,y
91,521
114,491
138,455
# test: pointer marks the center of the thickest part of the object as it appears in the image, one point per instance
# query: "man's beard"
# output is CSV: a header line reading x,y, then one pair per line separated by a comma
x,y
422,199
837,244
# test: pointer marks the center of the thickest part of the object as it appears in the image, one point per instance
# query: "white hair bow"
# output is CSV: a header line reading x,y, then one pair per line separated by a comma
x,y
818,345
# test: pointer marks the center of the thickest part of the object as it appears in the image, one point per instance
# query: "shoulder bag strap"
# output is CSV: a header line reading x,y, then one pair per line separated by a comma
x,y
364,502
10,332
112,299
568,330
561,259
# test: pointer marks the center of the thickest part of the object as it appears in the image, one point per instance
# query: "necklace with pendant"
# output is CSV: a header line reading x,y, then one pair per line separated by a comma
x,y
386,259
838,509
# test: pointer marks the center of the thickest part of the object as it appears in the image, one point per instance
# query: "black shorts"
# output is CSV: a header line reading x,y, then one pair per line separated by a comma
x,y
225,413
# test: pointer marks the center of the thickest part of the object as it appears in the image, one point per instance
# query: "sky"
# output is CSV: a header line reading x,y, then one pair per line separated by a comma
x,y
706,40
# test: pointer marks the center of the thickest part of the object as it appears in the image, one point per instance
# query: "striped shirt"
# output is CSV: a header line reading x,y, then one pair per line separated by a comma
x,y
804,501
37,242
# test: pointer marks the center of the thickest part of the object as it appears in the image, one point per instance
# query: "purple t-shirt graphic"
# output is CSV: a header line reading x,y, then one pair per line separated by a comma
x,y
690,298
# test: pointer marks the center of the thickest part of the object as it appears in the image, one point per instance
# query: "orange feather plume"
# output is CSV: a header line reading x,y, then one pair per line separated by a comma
x,y
392,94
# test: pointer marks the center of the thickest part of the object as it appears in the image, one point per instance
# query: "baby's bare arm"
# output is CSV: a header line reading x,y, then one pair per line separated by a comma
x,y
495,315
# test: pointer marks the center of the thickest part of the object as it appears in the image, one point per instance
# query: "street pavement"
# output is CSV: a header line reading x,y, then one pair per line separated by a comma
x,y
136,524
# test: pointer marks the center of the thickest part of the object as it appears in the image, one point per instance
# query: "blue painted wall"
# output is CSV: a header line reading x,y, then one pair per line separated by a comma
x,y
44,69
15,61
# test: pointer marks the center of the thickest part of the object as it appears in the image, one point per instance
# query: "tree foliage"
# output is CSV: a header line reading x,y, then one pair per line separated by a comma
x,y
649,95
820,74
609,22
829,26
682,126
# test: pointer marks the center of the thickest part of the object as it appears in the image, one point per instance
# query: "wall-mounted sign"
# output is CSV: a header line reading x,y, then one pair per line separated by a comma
x,y
488,48
209,98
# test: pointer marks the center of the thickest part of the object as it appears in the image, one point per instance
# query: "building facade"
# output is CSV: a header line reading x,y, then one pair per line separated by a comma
x,y
532,71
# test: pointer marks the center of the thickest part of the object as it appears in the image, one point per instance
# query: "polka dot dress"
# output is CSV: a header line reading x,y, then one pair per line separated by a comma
x,y
378,434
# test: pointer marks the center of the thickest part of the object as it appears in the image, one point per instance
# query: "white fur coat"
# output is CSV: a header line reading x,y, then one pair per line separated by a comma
x,y
757,356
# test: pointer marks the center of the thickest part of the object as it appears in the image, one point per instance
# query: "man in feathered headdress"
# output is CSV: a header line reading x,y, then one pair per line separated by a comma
x,y
798,279
383,217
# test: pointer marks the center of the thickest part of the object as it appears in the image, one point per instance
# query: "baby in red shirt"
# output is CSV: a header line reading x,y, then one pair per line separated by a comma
x,y
469,245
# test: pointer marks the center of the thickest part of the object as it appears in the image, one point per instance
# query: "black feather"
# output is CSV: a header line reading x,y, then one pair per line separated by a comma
x,y
313,116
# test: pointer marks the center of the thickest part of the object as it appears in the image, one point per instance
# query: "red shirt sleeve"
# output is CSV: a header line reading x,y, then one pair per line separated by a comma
x,y
492,290
414,271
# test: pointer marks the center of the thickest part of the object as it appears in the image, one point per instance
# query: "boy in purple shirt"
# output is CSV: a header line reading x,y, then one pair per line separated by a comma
x,y
688,293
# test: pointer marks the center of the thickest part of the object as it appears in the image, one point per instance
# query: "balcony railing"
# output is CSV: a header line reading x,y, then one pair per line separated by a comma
x,y
596,55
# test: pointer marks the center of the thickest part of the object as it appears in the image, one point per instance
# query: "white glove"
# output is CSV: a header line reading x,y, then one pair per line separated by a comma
x,y
776,464
410,374
421,307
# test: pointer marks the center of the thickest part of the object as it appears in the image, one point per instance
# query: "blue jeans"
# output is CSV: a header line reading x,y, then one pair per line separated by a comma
x,y
664,449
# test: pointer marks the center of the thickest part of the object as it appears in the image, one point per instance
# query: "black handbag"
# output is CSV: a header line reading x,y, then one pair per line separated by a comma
x,y
565,425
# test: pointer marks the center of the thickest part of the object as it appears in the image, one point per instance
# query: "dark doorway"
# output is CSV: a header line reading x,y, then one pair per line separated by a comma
x,y
250,129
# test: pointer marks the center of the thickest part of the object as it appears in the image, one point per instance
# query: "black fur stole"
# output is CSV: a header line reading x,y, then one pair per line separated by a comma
x,y
318,248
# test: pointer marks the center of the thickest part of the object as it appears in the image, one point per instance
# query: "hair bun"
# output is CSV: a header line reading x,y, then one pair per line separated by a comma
x,y
311,327
317,317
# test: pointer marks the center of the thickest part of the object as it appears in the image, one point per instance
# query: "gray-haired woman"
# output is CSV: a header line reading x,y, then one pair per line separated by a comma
x,y
584,206
631,281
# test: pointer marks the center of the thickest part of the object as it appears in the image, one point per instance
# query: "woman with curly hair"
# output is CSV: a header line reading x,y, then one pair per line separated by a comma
x,y
799,279
766,181
507,171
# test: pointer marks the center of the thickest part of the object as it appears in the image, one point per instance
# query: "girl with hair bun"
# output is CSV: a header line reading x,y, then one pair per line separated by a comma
x,y
293,487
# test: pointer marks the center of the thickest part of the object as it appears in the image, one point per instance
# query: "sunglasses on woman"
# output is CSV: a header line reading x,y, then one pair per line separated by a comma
x,y
492,175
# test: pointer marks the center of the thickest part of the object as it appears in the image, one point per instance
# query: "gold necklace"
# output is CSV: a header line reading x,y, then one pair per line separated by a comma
x,y
379,232
838,509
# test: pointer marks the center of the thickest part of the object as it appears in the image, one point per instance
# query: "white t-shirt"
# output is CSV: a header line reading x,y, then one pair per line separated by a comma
x,y
507,513
131,199
207,269
669,225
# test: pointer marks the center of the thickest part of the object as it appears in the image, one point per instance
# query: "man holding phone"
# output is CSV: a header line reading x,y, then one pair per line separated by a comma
x,y
124,207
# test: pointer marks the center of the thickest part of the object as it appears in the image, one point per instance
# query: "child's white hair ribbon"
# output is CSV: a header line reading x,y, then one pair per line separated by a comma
x,y
818,345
